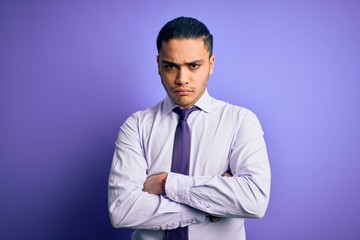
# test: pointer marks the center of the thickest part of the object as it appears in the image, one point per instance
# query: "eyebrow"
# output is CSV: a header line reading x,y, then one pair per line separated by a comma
x,y
188,63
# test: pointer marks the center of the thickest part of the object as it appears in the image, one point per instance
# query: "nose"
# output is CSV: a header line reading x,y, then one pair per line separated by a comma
x,y
182,77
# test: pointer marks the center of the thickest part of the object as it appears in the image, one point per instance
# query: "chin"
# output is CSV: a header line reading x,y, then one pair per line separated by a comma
x,y
183,103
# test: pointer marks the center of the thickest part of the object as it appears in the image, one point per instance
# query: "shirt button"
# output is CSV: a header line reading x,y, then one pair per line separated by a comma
x,y
193,221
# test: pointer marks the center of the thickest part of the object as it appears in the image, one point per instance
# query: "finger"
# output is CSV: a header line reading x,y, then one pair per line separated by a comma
x,y
227,174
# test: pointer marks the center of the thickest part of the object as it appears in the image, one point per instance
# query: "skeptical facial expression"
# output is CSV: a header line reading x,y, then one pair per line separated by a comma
x,y
184,68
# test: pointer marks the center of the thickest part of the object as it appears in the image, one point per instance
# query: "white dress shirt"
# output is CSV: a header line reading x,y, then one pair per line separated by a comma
x,y
223,137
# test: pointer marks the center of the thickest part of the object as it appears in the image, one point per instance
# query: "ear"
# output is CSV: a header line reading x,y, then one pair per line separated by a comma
x,y
158,63
211,64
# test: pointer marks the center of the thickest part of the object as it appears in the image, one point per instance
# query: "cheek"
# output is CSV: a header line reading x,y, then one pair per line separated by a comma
x,y
169,77
203,77
166,74
165,81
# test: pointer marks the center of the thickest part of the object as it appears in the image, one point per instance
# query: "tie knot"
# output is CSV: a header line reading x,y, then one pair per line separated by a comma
x,y
184,112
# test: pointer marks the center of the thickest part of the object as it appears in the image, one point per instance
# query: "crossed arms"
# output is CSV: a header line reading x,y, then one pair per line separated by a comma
x,y
136,199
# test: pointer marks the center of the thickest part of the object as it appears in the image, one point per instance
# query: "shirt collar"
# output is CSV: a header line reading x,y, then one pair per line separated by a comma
x,y
204,103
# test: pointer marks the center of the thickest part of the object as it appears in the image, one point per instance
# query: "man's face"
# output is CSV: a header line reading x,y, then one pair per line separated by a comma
x,y
184,67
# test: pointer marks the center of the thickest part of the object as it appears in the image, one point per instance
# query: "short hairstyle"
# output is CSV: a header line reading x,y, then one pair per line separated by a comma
x,y
185,28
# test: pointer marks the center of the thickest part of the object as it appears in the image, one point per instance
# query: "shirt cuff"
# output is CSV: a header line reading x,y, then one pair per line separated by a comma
x,y
177,189
191,215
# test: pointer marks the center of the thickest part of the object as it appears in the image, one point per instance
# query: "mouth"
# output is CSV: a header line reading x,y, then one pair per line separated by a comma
x,y
183,92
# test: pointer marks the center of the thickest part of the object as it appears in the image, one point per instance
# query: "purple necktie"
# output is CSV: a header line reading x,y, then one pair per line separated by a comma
x,y
180,161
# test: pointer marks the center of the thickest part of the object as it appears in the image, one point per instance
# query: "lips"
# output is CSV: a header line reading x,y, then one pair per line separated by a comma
x,y
183,92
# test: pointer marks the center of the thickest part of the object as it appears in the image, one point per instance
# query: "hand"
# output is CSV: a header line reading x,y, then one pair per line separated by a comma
x,y
227,174
153,183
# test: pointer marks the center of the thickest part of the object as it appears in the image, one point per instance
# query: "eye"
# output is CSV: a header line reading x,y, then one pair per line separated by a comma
x,y
170,66
194,65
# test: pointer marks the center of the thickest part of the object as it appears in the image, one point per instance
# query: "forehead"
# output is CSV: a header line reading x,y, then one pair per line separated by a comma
x,y
184,49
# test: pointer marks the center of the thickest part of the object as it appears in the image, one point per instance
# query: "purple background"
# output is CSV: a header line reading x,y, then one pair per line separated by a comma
x,y
72,71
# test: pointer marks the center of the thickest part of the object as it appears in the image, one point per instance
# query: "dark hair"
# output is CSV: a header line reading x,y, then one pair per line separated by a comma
x,y
185,28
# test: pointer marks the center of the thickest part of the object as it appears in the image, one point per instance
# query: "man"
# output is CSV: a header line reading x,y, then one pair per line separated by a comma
x,y
225,175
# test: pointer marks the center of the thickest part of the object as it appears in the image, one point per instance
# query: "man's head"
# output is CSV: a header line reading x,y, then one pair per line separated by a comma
x,y
185,28
185,59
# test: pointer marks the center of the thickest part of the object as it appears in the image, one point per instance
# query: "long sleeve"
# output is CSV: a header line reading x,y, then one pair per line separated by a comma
x,y
129,205
223,137
244,195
